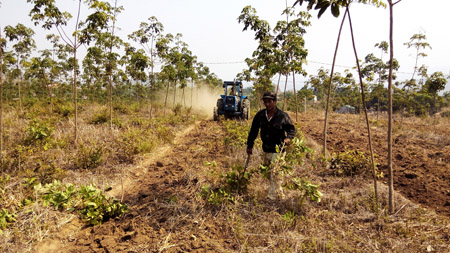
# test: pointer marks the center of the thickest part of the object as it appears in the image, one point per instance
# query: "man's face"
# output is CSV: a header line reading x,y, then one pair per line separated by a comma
x,y
269,103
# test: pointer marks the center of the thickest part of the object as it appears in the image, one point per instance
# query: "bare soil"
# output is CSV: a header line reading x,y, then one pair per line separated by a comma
x,y
421,151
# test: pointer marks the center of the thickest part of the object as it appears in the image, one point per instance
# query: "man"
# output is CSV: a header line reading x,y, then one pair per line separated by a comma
x,y
276,129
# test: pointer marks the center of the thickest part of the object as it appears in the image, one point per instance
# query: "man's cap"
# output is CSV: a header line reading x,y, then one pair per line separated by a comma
x,y
269,95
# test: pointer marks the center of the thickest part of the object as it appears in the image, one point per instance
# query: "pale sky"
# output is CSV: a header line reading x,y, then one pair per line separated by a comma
x,y
211,30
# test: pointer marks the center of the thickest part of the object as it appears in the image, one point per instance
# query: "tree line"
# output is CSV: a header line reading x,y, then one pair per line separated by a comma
x,y
112,68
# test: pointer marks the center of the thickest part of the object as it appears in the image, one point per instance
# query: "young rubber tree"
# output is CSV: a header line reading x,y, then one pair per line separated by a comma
x,y
391,4
264,59
374,71
62,66
99,27
294,45
40,68
136,64
433,85
418,41
335,5
23,36
46,12
146,35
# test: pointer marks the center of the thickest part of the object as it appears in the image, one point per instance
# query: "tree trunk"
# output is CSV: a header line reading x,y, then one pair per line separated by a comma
x,y
110,68
295,97
278,83
391,60
378,107
19,87
49,94
174,93
192,91
184,99
1,97
165,100
325,126
305,103
363,100
75,102
284,93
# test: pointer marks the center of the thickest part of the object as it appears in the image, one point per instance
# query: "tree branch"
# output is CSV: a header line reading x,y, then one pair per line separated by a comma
x,y
62,36
396,2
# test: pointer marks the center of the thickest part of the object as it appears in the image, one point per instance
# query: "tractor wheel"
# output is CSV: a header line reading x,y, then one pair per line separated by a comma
x,y
216,114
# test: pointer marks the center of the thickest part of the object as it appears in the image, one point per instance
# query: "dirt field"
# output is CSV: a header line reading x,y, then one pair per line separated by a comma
x,y
167,213
421,151
165,188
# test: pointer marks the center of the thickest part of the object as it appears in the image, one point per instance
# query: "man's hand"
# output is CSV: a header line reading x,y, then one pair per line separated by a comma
x,y
287,141
249,151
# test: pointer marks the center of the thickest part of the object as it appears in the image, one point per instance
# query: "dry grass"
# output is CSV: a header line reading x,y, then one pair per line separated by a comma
x,y
59,161
344,221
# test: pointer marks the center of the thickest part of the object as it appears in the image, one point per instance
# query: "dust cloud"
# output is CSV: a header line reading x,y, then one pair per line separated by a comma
x,y
201,99
204,99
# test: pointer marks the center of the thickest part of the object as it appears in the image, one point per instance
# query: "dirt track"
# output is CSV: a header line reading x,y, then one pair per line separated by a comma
x,y
160,191
421,153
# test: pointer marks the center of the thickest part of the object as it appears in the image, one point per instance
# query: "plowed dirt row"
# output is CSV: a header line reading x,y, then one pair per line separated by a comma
x,y
163,205
421,152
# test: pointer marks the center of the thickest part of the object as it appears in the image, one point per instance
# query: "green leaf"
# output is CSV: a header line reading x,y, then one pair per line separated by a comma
x,y
335,9
91,204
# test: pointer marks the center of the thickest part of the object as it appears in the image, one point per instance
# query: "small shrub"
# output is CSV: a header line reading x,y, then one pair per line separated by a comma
x,y
89,201
89,157
177,110
121,108
306,189
237,179
216,196
100,118
164,133
350,163
48,171
289,218
6,163
117,122
6,218
445,114
236,133
134,142
64,110
96,207
37,132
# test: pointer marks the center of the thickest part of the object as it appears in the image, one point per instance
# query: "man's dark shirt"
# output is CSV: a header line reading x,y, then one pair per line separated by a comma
x,y
273,132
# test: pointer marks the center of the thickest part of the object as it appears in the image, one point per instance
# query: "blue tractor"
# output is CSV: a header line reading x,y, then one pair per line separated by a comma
x,y
233,104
